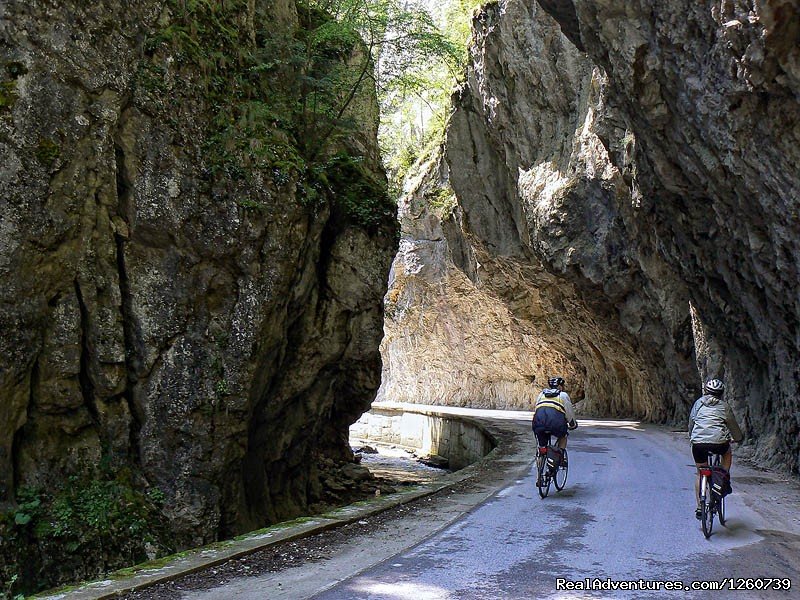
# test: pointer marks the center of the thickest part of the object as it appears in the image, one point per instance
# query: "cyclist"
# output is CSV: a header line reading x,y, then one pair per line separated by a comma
x,y
712,425
553,414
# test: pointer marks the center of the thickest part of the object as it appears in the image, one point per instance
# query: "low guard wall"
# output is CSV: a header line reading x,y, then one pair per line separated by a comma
x,y
461,440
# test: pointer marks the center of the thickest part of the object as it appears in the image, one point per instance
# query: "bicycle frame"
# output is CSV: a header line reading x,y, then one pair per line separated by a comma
x,y
710,503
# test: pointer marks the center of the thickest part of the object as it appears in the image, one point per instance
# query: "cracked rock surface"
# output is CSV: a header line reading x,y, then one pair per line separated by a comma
x,y
148,315
625,183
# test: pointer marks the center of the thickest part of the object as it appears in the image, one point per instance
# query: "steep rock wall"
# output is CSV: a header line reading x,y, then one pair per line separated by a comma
x,y
450,340
544,228
711,91
648,188
539,190
198,321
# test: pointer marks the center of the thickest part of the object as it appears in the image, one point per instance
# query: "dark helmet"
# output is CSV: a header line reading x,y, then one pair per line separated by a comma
x,y
714,387
554,382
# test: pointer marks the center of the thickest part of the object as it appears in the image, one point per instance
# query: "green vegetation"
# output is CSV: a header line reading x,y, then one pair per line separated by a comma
x,y
414,115
8,88
291,103
87,527
444,200
47,151
360,195
8,95
221,388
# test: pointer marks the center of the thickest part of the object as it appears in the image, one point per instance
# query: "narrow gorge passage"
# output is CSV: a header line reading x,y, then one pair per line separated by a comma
x,y
227,227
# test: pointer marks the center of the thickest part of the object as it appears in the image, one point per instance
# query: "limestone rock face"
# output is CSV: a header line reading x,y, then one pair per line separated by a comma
x,y
220,338
641,195
710,91
450,339
545,231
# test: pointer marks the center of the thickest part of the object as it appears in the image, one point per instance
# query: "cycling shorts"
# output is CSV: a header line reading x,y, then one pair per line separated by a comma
x,y
547,422
700,451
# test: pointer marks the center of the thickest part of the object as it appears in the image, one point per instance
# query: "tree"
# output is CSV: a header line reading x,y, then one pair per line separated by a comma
x,y
348,44
414,109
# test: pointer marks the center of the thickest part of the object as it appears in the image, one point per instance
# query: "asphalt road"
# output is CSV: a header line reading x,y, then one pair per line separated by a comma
x,y
627,514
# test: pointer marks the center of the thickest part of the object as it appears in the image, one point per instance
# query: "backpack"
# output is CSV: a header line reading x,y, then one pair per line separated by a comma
x,y
720,481
554,456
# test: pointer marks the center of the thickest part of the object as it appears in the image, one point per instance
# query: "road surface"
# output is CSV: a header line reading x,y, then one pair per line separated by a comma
x,y
627,514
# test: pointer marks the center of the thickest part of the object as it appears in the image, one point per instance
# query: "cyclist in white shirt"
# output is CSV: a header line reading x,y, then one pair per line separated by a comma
x,y
712,426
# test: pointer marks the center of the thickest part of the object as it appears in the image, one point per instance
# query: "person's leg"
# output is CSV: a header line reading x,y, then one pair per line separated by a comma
x,y
542,441
697,484
559,429
700,455
542,437
727,458
562,443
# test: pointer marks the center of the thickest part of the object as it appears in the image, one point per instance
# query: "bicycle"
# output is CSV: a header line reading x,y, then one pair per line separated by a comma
x,y
711,503
549,471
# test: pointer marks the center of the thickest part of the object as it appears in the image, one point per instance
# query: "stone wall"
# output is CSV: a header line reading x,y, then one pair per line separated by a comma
x,y
460,440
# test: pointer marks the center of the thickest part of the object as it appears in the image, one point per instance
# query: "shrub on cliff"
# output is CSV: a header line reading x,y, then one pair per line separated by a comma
x,y
289,102
86,528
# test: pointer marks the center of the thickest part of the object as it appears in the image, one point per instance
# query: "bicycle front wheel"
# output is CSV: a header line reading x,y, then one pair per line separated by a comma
x,y
721,510
561,472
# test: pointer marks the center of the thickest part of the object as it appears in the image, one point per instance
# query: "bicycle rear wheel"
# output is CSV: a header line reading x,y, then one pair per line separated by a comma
x,y
543,480
561,472
706,508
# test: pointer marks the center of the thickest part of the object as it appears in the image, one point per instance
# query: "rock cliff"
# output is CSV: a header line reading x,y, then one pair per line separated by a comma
x,y
173,299
626,185
449,339
710,92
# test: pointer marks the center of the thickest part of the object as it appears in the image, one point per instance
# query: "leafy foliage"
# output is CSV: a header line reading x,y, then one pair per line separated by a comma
x,y
87,527
360,196
414,114
285,101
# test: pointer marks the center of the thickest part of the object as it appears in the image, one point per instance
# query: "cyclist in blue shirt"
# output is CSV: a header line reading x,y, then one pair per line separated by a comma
x,y
553,414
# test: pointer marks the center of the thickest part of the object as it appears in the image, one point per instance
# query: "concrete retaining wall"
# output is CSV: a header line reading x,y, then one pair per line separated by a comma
x,y
460,440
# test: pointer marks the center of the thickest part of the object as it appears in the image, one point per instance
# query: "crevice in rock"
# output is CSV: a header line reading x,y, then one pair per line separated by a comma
x,y
15,477
564,12
132,361
84,376
254,471
328,237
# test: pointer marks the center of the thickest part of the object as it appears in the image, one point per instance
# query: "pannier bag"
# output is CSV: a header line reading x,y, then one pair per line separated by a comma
x,y
720,481
553,457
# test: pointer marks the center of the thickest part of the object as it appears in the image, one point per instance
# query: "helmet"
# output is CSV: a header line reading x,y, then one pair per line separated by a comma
x,y
554,382
714,387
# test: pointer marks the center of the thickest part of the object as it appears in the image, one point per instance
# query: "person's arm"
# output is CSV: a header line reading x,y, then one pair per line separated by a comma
x,y
568,408
733,426
692,416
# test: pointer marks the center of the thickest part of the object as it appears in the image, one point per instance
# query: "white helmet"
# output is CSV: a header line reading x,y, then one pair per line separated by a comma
x,y
714,387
